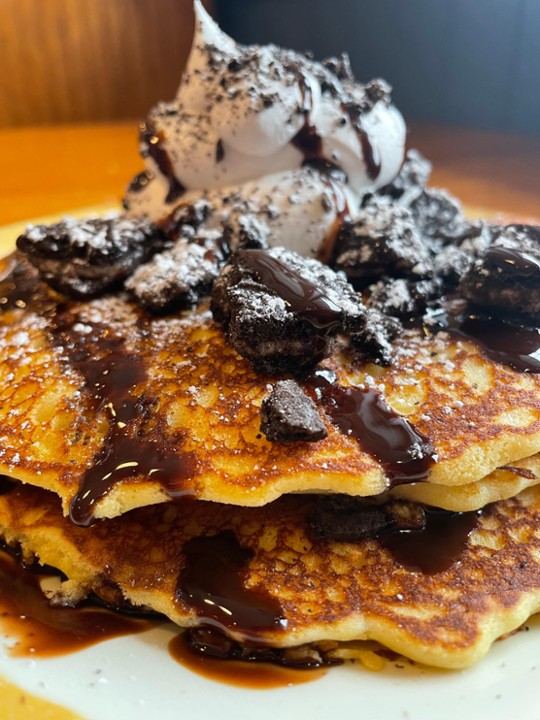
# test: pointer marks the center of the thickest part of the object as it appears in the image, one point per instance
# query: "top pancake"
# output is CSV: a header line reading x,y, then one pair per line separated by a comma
x,y
194,409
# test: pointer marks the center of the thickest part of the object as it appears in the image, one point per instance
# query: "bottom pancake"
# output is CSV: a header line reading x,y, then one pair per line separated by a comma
x,y
258,573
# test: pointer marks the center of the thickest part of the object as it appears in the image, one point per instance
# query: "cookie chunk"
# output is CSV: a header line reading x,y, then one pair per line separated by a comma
x,y
342,518
283,311
506,279
383,240
83,258
412,177
179,277
289,415
404,298
438,216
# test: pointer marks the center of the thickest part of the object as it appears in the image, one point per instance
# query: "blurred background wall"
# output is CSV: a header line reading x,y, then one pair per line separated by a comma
x,y
473,63
86,60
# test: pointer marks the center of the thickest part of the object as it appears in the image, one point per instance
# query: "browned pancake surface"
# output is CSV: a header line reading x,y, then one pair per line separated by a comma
x,y
200,402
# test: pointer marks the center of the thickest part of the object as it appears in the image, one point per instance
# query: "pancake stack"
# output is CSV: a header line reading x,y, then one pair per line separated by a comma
x,y
274,514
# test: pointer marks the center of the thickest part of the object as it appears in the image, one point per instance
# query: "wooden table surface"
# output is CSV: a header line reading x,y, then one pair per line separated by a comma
x,y
46,170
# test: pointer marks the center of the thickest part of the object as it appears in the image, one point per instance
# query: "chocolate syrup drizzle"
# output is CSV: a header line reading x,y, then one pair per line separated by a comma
x,y
371,154
309,142
303,297
153,142
212,581
131,448
404,452
503,342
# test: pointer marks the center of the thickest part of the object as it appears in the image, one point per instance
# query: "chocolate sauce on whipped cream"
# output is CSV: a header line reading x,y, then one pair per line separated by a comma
x,y
130,448
371,154
153,143
212,582
404,452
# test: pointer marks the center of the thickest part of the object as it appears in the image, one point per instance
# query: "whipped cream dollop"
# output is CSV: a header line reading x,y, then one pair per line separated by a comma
x,y
269,133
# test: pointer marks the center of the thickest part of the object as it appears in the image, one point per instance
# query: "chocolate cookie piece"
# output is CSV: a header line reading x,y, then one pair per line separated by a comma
x,y
383,240
289,415
374,341
83,258
179,277
437,215
245,230
283,311
342,518
452,261
404,298
506,279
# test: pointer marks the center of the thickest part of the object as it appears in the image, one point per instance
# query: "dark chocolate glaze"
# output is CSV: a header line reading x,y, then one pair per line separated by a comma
x,y
404,452
437,546
140,181
369,150
154,148
303,297
512,262
212,582
502,342
130,449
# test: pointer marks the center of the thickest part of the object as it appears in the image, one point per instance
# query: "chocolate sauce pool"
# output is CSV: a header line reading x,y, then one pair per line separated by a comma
x,y
21,289
44,631
207,653
437,546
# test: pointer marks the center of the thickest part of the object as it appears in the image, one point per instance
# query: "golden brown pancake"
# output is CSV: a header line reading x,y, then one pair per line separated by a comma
x,y
194,409
322,590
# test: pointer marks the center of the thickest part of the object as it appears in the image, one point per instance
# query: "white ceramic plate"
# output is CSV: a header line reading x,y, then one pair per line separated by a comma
x,y
134,678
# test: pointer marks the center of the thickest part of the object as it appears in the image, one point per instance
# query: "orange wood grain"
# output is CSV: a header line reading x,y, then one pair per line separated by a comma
x,y
82,60
46,170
